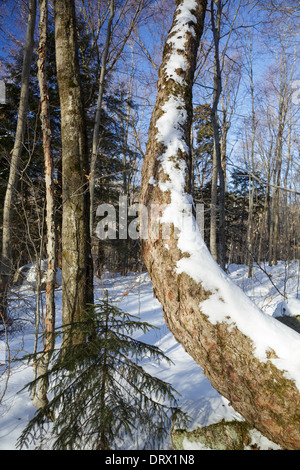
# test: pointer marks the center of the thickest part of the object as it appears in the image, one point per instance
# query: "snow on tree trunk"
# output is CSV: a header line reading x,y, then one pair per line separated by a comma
x,y
249,357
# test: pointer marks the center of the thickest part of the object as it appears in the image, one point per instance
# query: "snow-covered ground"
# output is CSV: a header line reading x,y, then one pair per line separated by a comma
x,y
274,289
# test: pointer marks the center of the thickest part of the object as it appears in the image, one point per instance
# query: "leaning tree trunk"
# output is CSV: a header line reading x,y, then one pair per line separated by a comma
x,y
249,357
6,267
77,288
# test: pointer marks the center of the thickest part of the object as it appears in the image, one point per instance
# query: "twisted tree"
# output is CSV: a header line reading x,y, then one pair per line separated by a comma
x,y
248,356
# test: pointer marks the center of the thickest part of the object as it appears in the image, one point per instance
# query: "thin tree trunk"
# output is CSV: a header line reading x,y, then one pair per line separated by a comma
x,y
192,165
250,228
276,196
6,267
213,208
40,397
96,243
286,73
263,224
217,147
77,282
271,217
251,182
207,313
223,144
286,206
276,218
96,131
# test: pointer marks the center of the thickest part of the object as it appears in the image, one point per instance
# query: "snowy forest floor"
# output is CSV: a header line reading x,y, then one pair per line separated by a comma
x,y
133,294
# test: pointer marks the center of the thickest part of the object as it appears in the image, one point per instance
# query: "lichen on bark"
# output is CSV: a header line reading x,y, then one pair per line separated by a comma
x,y
225,435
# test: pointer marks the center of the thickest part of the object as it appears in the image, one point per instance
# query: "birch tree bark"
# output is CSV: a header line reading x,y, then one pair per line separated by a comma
x,y
6,267
40,393
248,357
77,287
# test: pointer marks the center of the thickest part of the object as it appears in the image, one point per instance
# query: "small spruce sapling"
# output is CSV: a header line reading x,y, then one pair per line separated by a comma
x,y
101,393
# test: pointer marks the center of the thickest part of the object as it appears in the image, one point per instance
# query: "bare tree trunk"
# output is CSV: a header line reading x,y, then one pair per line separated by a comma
x,y
77,283
95,145
271,217
207,313
276,196
40,397
277,179
217,159
140,4
264,231
250,228
6,267
286,70
286,205
213,208
262,226
96,244
223,144
251,182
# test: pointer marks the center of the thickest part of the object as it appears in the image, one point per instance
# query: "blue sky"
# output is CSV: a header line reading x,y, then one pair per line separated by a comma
x,y
12,23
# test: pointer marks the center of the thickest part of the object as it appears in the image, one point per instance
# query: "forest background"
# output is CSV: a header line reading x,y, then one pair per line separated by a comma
x,y
258,123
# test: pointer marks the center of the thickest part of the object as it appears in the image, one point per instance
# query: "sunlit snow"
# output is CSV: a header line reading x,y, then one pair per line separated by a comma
x,y
134,295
